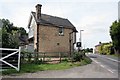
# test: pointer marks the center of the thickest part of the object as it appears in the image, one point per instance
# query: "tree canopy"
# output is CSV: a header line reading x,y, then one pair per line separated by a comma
x,y
10,34
87,50
105,48
115,34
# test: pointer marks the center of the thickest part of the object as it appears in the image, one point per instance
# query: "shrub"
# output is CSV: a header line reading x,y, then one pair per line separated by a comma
x,y
26,56
85,61
106,48
65,60
29,57
78,56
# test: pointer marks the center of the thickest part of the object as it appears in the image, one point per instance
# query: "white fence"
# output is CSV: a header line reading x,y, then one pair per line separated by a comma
x,y
17,51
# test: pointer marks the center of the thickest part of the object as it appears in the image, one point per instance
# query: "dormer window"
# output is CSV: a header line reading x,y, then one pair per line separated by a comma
x,y
61,31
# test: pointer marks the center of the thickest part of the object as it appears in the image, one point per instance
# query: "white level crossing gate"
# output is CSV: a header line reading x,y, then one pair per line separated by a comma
x,y
6,59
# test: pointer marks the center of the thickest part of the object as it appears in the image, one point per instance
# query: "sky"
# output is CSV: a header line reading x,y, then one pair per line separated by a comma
x,y
93,16
119,10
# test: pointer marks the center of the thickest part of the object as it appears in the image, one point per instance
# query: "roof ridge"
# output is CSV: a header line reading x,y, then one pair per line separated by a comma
x,y
54,20
51,15
54,16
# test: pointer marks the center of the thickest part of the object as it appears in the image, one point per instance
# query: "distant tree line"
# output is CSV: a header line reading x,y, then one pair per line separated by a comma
x,y
88,50
10,34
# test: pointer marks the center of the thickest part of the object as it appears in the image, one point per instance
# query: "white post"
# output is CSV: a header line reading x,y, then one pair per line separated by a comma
x,y
81,38
19,59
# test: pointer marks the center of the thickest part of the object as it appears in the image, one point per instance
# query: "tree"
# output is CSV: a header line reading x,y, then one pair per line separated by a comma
x,y
0,39
8,39
7,25
88,50
22,31
11,34
5,38
105,48
115,35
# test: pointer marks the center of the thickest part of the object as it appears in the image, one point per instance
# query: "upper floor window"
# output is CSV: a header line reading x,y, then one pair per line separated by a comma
x,y
61,30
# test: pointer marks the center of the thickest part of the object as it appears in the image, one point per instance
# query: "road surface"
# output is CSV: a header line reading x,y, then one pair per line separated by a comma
x,y
108,62
101,67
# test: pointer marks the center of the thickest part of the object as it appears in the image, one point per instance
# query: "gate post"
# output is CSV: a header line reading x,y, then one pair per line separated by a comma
x,y
19,59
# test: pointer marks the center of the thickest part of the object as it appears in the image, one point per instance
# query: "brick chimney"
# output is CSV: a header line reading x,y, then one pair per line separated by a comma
x,y
38,11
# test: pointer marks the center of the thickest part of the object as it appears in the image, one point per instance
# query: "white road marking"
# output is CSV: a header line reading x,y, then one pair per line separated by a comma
x,y
110,70
102,65
110,59
113,59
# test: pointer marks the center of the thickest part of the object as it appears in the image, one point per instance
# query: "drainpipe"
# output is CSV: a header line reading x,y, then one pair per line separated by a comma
x,y
70,42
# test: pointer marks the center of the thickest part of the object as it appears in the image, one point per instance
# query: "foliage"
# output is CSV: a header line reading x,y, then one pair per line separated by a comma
x,y
10,34
29,57
22,31
7,25
31,67
85,61
0,37
115,34
100,49
116,55
65,60
78,56
88,50
105,48
26,56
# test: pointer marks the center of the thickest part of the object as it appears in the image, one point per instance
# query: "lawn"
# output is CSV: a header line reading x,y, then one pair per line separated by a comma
x,y
31,68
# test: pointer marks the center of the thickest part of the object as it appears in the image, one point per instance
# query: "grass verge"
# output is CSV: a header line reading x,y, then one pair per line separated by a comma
x,y
31,68
116,55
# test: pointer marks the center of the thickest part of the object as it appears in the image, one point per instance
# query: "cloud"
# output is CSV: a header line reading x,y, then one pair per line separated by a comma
x,y
16,11
94,16
81,0
92,23
96,28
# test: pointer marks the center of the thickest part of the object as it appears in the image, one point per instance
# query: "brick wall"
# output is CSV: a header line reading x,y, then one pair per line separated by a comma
x,y
50,41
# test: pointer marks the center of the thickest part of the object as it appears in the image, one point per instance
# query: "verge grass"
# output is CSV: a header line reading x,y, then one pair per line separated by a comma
x,y
31,67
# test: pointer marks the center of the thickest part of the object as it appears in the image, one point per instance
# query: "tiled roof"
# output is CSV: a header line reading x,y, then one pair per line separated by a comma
x,y
53,20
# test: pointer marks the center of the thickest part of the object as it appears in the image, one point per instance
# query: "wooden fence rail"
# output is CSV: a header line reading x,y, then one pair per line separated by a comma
x,y
44,56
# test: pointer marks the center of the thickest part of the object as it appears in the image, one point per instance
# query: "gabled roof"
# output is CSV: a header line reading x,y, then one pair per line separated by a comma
x,y
53,20
97,45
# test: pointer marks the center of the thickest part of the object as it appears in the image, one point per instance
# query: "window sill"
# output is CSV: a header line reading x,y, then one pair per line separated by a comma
x,y
61,34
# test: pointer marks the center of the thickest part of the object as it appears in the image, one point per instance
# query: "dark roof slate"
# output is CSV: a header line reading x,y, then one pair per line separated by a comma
x,y
53,20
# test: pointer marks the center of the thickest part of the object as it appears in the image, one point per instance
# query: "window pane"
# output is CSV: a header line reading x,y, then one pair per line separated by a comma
x,y
61,29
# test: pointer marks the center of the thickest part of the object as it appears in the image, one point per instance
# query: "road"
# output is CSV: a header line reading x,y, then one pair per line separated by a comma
x,y
101,67
108,62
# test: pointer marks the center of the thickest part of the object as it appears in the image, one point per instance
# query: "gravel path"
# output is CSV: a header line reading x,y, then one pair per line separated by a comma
x,y
92,70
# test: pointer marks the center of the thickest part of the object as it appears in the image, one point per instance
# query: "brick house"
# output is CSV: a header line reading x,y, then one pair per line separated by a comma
x,y
49,33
